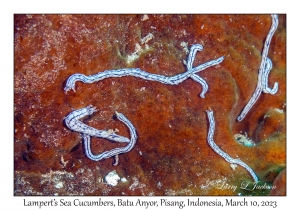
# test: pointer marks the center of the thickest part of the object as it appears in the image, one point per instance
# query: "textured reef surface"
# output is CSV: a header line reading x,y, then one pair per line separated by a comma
x,y
171,156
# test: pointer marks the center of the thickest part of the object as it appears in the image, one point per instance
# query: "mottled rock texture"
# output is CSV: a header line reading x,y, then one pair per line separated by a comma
x,y
171,156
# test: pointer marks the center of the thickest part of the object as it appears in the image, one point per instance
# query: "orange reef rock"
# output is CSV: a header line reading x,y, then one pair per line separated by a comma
x,y
172,156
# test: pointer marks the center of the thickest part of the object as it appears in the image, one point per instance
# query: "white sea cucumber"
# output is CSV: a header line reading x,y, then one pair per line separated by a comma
x,y
217,149
136,72
264,70
72,122
189,65
113,152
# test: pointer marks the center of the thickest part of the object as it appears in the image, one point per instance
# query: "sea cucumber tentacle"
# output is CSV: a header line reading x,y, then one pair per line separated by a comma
x,y
223,154
136,72
264,70
113,152
72,122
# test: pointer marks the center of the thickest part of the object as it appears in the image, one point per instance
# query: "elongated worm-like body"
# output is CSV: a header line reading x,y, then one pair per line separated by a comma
x,y
210,140
136,72
113,152
189,65
72,122
264,70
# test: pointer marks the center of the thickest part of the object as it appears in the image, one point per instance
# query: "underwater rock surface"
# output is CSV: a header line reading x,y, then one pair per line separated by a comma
x,y
172,156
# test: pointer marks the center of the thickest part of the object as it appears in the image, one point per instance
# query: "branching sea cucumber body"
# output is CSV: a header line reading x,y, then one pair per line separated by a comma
x,y
217,149
113,152
264,70
136,72
72,122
